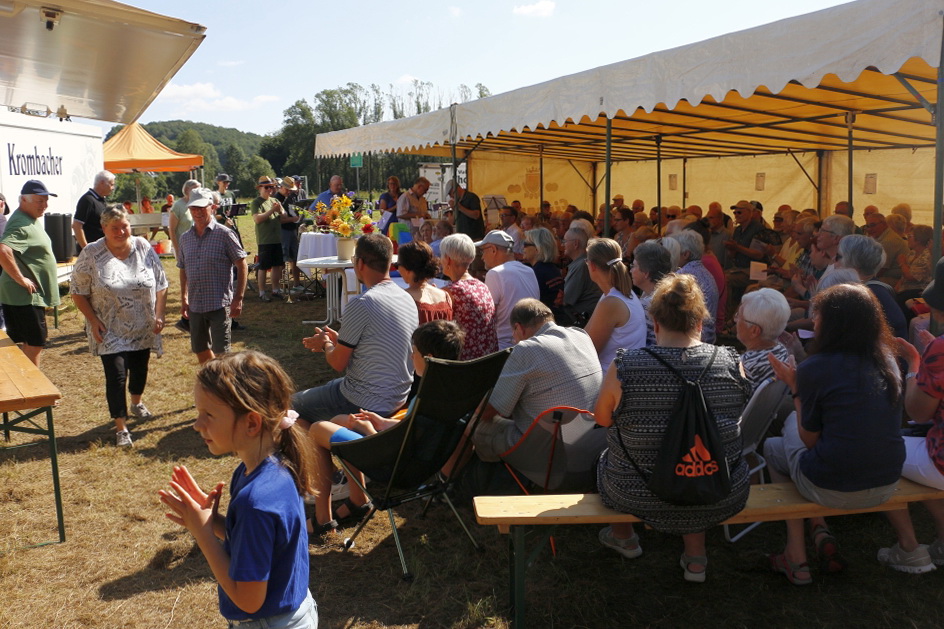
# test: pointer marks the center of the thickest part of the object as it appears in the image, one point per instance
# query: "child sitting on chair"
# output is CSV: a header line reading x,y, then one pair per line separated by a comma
x,y
436,339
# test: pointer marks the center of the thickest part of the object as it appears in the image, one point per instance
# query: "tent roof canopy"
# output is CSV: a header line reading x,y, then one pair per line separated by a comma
x,y
782,87
133,149
101,59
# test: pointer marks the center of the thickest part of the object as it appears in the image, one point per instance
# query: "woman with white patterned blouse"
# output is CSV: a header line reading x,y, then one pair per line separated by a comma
x,y
120,287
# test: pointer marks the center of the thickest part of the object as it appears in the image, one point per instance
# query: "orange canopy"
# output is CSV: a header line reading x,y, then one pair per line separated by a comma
x,y
133,149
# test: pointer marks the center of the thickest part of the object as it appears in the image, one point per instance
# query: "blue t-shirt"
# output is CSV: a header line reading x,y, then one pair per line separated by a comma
x,y
846,401
266,539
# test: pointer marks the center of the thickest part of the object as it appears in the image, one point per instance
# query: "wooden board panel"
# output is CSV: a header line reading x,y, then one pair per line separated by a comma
x,y
767,503
22,385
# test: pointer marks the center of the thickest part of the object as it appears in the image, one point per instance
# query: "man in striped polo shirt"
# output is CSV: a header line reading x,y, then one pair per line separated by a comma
x,y
372,344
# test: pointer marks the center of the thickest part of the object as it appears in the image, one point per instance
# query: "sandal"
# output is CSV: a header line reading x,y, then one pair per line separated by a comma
x,y
355,513
318,531
780,563
690,576
827,550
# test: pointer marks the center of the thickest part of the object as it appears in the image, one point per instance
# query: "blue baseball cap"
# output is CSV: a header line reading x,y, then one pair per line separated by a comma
x,y
35,186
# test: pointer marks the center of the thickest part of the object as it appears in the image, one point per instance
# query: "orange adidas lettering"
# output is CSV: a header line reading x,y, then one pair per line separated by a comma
x,y
697,462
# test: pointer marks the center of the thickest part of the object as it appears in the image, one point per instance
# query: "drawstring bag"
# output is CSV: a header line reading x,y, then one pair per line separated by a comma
x,y
691,468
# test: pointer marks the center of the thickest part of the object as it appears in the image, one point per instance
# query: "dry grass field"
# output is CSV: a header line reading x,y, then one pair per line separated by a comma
x,y
125,566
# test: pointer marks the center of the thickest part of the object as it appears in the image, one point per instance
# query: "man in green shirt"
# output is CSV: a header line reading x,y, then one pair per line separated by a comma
x,y
28,284
266,213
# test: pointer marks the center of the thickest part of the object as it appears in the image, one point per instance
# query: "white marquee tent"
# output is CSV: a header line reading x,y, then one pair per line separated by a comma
x,y
784,104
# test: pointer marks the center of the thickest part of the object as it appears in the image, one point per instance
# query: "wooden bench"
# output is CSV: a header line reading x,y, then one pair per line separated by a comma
x,y
515,515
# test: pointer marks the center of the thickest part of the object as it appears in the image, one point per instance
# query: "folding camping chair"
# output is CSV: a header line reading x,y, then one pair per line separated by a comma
x,y
405,460
558,451
756,418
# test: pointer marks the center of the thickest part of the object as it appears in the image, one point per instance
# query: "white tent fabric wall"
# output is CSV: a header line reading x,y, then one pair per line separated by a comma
x,y
903,176
726,180
518,178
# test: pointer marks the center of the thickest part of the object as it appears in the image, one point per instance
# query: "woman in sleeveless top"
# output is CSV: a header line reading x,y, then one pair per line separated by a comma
x,y
417,265
619,320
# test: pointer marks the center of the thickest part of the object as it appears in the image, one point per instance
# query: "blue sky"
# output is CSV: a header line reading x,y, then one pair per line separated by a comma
x,y
259,58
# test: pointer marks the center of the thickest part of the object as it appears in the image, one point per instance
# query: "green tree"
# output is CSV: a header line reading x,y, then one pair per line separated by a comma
x,y
237,167
257,167
125,188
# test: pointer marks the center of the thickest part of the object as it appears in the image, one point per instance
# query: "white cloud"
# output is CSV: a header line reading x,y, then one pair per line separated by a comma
x,y
407,79
198,97
455,12
541,8
230,64
176,92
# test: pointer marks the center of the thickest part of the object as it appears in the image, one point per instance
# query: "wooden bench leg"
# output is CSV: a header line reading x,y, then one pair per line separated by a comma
x,y
517,571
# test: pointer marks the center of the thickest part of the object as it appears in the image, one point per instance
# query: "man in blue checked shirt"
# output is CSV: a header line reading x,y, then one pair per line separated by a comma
x,y
208,252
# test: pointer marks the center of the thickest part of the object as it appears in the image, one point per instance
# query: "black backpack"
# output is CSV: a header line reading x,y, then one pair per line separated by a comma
x,y
691,468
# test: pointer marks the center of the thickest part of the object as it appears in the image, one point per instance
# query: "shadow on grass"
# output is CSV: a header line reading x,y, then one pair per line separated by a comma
x,y
179,440
170,568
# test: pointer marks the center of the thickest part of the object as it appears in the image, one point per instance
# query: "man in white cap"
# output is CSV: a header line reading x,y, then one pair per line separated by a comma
x,y
208,253
25,245
508,280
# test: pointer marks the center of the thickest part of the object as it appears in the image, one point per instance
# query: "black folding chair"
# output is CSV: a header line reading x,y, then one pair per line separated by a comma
x,y
403,462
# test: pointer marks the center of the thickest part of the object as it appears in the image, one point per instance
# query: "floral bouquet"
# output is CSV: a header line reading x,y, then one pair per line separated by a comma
x,y
340,218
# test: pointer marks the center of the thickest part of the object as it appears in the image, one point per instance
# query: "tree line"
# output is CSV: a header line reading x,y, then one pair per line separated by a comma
x,y
290,151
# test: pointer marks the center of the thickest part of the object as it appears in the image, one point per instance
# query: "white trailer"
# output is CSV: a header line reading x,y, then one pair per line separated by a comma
x,y
63,155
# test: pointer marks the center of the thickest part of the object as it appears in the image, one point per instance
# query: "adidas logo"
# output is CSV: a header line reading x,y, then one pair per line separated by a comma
x,y
697,462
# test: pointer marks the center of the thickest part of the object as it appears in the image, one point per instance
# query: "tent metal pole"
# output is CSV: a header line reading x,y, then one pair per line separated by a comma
x,y
850,120
684,183
609,171
455,167
938,165
541,175
659,181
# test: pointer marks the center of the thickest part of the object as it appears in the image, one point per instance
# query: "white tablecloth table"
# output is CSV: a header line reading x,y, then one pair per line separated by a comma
x,y
317,245
340,280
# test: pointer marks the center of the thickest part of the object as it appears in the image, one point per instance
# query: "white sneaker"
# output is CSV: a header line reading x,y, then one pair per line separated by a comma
x,y
628,548
936,550
340,490
123,438
140,411
917,561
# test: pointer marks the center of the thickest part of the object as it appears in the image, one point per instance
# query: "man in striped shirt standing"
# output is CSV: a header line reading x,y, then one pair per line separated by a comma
x,y
373,344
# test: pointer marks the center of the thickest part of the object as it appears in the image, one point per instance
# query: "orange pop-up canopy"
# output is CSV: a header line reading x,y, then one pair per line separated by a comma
x,y
133,149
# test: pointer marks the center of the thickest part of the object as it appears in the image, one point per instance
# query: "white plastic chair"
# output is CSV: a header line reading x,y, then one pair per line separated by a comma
x,y
756,418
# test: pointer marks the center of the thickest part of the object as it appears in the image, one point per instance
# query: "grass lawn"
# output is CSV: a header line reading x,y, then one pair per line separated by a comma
x,y
124,565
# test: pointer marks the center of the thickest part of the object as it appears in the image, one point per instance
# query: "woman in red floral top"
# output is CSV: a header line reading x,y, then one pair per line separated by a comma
x,y
924,402
472,304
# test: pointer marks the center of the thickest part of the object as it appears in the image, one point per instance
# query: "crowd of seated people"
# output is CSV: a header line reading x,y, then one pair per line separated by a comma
x,y
680,281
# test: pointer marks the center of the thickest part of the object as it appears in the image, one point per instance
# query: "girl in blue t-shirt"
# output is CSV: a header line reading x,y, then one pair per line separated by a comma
x,y
261,567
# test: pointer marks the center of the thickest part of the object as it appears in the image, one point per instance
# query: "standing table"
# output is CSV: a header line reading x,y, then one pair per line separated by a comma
x,y
26,393
337,284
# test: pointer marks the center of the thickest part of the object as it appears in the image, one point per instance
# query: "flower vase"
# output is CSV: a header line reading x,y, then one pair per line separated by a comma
x,y
345,248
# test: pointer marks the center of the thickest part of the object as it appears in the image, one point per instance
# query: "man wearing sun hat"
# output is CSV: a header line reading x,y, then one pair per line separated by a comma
x,y
29,283
208,253
267,214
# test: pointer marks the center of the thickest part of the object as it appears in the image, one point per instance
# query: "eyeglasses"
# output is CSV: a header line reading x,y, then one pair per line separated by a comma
x,y
738,317
530,244
269,187
740,211
778,219
827,231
